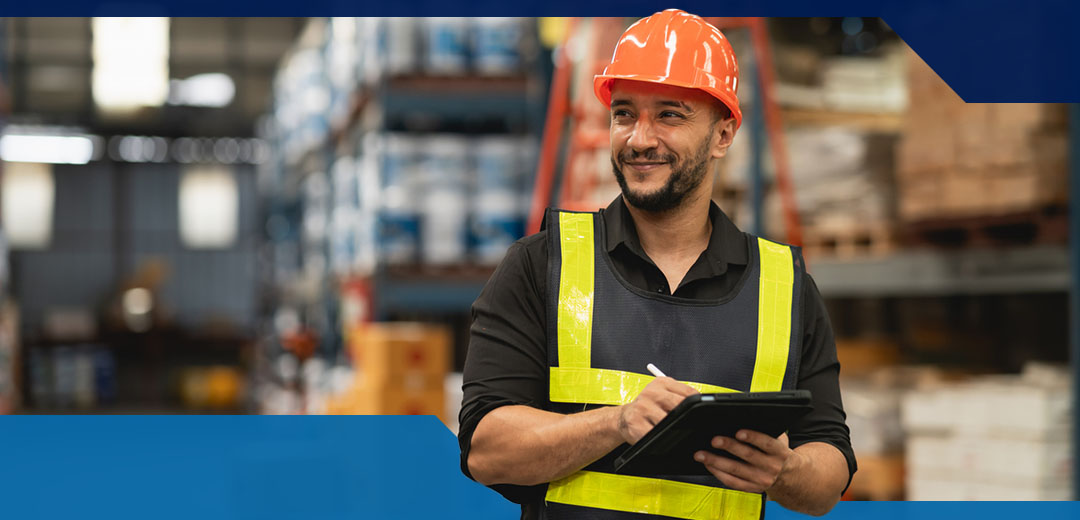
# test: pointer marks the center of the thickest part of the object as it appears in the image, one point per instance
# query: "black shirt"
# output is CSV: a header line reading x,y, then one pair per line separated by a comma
x,y
507,362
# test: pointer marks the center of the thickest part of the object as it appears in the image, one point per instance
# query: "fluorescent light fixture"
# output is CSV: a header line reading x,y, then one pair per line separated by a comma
x,y
202,90
131,62
54,149
209,207
27,193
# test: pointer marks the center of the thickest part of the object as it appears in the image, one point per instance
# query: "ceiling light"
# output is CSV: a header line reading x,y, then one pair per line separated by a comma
x,y
203,90
54,149
131,62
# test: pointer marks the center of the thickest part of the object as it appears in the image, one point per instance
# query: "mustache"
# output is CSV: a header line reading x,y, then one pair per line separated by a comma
x,y
649,156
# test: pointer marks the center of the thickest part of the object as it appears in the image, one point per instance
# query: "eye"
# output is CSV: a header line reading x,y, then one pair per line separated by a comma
x,y
620,113
671,114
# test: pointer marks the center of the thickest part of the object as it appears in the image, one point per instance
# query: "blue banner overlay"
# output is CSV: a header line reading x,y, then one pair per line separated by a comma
x,y
236,467
313,467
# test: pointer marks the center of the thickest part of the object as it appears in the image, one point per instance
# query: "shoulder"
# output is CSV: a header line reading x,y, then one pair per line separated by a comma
x,y
531,249
525,265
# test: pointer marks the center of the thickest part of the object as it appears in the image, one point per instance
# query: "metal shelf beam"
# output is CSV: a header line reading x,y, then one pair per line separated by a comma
x,y
938,273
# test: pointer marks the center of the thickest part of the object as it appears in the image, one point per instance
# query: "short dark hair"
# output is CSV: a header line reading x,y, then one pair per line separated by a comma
x,y
720,111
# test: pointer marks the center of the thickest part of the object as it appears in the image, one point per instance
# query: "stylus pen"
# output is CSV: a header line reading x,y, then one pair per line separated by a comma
x,y
654,371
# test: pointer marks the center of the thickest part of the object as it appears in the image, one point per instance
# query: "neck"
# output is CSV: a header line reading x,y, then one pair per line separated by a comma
x,y
680,231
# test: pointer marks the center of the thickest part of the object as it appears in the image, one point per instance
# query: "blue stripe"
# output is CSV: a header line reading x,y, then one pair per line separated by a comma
x,y
236,467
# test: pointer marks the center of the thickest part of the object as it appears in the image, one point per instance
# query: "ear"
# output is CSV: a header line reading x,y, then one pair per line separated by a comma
x,y
723,135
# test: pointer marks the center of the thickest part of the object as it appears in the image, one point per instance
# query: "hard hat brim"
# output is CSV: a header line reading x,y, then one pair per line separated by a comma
x,y
602,84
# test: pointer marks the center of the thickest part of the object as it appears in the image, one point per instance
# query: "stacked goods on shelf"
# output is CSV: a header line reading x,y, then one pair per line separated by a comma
x,y
872,385
414,193
959,160
217,387
840,139
865,84
811,83
398,144
991,438
352,217
843,189
400,369
302,95
448,199
66,376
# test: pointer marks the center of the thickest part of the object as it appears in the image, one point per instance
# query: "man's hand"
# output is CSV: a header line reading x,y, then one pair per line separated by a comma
x,y
765,460
650,407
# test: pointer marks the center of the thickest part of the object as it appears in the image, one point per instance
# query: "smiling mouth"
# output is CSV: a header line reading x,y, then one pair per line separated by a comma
x,y
644,164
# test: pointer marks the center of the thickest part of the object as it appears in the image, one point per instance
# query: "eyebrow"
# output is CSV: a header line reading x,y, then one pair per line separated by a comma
x,y
677,104
667,103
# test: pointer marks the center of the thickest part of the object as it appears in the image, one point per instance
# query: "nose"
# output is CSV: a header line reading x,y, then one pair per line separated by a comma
x,y
643,136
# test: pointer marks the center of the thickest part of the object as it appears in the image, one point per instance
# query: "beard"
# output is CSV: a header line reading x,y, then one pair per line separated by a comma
x,y
685,177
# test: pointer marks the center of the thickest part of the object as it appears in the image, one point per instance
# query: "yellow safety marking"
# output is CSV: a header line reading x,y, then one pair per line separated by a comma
x,y
575,290
654,496
604,386
774,316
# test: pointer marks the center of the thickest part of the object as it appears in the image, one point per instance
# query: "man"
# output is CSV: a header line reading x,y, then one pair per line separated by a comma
x,y
555,380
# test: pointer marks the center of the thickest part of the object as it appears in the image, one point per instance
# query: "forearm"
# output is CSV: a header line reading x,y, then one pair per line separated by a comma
x,y
526,446
813,481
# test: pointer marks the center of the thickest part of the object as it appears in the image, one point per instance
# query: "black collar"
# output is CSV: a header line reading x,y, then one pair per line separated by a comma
x,y
727,244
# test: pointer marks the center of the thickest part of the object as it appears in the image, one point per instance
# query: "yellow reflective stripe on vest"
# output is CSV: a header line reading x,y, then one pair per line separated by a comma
x,y
653,496
774,316
575,290
604,386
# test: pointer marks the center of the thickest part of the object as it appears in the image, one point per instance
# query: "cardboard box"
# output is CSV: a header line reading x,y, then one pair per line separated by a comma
x,y
878,478
964,192
922,199
939,456
923,489
1021,491
930,488
929,149
407,355
862,356
390,401
928,411
1032,461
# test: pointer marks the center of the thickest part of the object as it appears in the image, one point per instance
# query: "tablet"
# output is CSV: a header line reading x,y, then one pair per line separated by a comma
x,y
668,449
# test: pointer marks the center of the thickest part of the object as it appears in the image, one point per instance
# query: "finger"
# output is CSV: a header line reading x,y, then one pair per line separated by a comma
x,y
669,401
676,386
762,441
660,382
738,469
680,388
662,395
746,452
729,480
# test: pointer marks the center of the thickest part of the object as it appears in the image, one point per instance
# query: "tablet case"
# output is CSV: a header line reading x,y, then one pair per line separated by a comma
x,y
668,449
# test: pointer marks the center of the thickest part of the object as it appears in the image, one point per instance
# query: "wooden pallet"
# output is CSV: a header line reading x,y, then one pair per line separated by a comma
x,y
1046,225
849,242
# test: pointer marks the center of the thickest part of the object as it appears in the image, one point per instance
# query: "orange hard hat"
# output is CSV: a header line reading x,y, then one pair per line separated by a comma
x,y
677,48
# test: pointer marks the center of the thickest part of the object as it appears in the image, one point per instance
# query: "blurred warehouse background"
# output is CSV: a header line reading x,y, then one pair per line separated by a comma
x,y
292,216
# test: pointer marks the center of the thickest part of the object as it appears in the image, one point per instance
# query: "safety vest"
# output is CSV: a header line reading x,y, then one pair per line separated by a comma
x,y
604,331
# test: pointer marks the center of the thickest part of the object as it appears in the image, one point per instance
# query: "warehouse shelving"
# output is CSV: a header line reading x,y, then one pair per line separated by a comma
x,y
466,99
942,273
883,122
385,101
428,290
